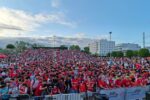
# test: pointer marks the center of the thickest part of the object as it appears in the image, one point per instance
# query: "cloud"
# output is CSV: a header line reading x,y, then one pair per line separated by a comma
x,y
9,27
80,35
102,36
22,21
55,3
85,35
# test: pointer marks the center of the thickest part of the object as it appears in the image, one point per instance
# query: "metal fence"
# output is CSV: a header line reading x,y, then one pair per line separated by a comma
x,y
12,97
134,93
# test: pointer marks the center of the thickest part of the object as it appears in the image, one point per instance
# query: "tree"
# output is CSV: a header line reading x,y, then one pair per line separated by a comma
x,y
117,54
113,54
87,50
96,54
129,53
74,47
10,46
21,46
108,54
120,54
63,47
135,53
144,52
36,45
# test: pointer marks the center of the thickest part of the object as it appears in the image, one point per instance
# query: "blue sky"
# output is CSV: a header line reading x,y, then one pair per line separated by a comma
x,y
127,19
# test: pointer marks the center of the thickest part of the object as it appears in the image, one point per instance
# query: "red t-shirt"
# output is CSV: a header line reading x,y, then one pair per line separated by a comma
x,y
28,83
126,83
38,92
138,82
90,85
102,84
118,82
82,87
21,88
55,91
75,84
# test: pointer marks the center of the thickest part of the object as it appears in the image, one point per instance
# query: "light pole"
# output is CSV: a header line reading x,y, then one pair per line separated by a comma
x,y
110,43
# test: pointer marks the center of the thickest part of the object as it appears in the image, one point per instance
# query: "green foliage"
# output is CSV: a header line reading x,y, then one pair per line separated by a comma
x,y
63,47
87,50
113,54
74,47
10,46
135,53
116,54
36,45
129,53
96,54
21,46
144,52
5,51
120,54
108,55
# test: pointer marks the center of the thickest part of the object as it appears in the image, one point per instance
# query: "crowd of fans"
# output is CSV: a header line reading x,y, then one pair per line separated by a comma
x,y
49,72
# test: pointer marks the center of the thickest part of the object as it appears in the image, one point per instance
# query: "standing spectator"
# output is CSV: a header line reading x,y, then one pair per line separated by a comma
x,y
4,92
75,85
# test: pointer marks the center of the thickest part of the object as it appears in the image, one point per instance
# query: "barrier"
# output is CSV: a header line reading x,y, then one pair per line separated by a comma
x,y
115,94
11,97
46,97
133,93
64,97
147,88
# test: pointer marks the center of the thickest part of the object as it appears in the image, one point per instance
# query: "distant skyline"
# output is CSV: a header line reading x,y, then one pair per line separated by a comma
x,y
126,19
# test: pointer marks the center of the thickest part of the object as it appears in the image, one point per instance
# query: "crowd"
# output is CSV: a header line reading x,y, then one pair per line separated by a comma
x,y
49,72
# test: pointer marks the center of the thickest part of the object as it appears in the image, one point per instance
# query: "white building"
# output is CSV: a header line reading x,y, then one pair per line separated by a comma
x,y
105,47
93,47
102,47
127,46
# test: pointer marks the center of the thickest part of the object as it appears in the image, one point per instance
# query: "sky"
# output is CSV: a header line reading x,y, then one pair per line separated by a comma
x,y
126,19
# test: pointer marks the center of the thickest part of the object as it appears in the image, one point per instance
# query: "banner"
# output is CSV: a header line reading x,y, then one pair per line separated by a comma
x,y
147,88
114,94
135,93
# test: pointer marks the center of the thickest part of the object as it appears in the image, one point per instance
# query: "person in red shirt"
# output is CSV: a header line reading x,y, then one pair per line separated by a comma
x,y
82,87
90,85
75,85
23,89
111,83
118,83
102,84
144,81
40,88
27,81
139,81
55,90
126,82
